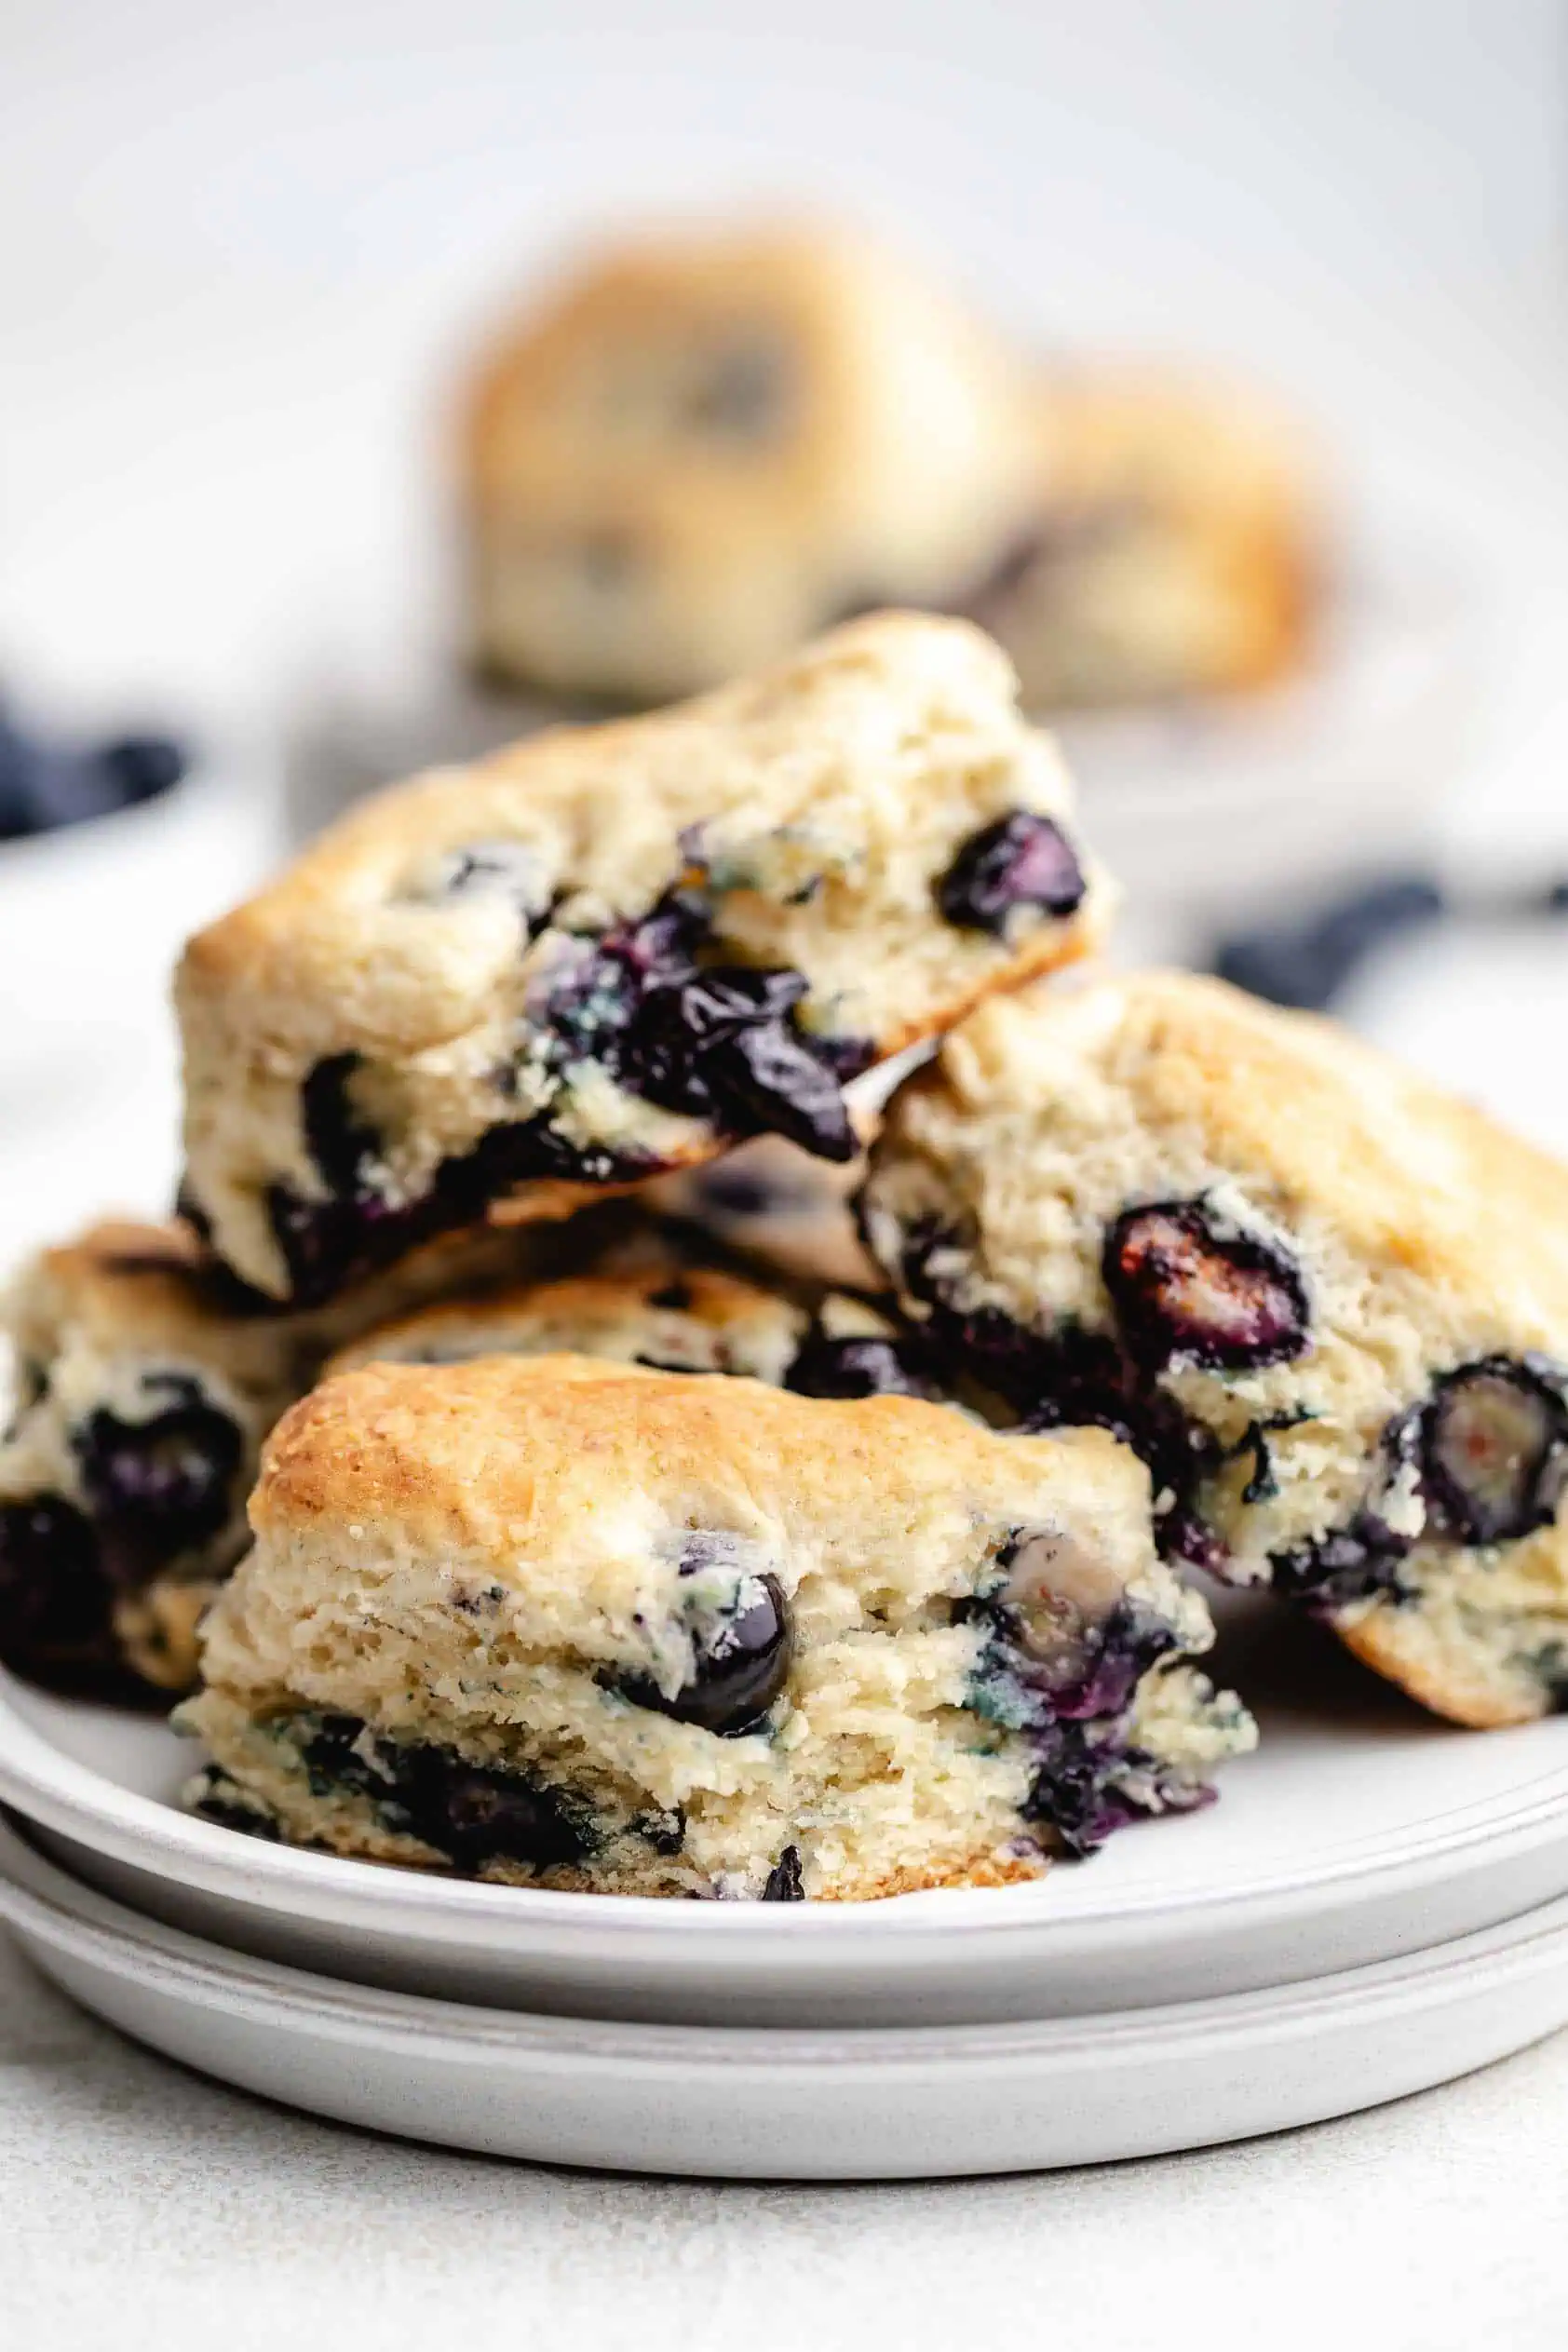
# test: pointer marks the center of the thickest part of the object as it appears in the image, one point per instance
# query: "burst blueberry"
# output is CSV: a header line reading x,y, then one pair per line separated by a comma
x,y
1494,1448
161,1486
1022,860
1187,1292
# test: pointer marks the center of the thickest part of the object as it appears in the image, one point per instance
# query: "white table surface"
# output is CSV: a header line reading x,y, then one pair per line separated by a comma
x,y
144,2209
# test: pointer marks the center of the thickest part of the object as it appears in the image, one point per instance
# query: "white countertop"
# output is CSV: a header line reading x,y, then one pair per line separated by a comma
x,y
145,2209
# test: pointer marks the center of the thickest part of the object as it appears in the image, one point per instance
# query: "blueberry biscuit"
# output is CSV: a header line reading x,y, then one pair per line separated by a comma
x,y
703,450
670,1317
611,951
559,1622
144,1386
1327,1302
1174,549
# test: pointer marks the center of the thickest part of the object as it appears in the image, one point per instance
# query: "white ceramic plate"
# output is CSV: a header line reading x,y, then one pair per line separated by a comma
x,y
738,2103
1361,1830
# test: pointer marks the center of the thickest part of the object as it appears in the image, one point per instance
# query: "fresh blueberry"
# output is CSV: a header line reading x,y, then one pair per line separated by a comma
x,y
1307,966
1188,1293
1494,1448
1022,860
143,765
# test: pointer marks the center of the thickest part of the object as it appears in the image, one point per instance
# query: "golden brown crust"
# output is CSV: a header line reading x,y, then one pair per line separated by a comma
x,y
1405,1171
509,1455
1425,1238
817,808
680,1316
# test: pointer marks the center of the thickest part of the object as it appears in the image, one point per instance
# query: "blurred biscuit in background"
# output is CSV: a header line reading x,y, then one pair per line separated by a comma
x,y
1177,545
701,450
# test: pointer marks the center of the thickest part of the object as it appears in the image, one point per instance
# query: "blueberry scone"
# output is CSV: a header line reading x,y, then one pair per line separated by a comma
x,y
703,450
1174,547
145,1384
1327,1302
555,1621
610,951
670,1317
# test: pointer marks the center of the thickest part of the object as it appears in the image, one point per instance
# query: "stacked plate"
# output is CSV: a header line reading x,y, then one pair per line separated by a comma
x,y
1378,1904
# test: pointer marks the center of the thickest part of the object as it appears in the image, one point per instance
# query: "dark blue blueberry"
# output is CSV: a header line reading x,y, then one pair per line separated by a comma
x,y
56,1604
784,1885
1494,1448
45,785
224,1814
861,1367
327,1244
1073,1792
468,1813
720,1043
1186,1293
1331,1571
740,1658
1307,966
1022,860
161,1486
1072,1379
143,765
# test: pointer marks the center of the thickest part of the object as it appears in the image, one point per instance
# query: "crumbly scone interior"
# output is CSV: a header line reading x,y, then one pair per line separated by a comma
x,y
1412,1226
896,1749
434,972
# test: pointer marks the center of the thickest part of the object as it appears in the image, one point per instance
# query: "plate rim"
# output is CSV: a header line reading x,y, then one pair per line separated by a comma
x,y
67,1915
43,1783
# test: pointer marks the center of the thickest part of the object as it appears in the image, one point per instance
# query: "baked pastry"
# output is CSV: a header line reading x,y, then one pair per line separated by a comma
x,y
1174,549
1326,1301
145,1383
703,450
667,1317
559,1622
610,951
